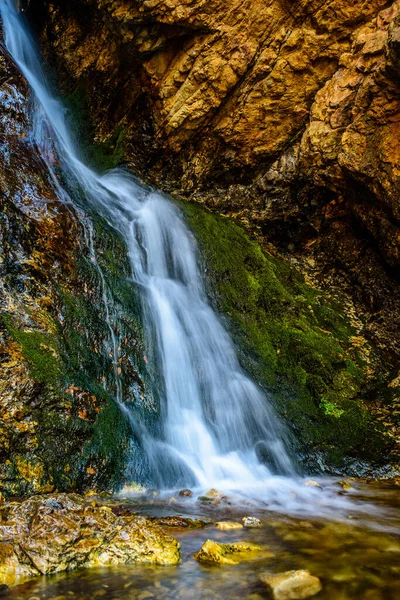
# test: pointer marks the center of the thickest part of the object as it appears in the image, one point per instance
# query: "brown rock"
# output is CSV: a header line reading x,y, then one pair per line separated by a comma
x,y
49,534
186,493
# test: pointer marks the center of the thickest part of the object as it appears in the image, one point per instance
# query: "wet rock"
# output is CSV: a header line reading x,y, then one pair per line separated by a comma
x,y
251,522
176,521
292,585
46,535
227,525
345,485
312,483
228,554
186,493
214,494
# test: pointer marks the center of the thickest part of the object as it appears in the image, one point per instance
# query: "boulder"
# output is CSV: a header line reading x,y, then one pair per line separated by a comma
x,y
50,534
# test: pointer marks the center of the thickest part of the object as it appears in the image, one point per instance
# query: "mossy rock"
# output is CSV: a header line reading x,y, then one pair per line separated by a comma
x,y
73,434
293,339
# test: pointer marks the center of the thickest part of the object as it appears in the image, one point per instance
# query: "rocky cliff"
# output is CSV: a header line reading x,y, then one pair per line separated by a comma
x,y
281,115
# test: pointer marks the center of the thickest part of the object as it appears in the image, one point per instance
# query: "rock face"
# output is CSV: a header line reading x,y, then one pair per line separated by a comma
x,y
284,115
59,424
50,534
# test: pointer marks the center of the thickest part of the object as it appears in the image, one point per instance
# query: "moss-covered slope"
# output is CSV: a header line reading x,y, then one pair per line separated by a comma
x,y
297,342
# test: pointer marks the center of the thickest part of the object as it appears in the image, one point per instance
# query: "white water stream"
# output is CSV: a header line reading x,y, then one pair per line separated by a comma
x,y
214,419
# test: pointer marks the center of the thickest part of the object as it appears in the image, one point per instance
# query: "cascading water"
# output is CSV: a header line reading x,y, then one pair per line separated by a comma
x,y
214,421
213,416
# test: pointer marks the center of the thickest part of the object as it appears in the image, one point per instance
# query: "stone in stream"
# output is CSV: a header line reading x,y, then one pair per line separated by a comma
x,y
186,493
227,525
345,484
251,522
212,496
292,585
229,554
50,534
312,483
178,521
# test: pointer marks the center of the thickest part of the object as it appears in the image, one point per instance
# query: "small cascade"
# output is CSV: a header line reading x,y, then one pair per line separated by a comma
x,y
215,422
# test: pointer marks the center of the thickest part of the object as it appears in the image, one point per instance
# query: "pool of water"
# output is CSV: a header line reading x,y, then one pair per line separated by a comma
x,y
356,557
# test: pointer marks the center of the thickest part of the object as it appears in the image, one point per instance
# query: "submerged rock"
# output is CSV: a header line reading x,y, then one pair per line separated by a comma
x,y
292,585
227,525
49,534
251,522
177,521
345,485
228,554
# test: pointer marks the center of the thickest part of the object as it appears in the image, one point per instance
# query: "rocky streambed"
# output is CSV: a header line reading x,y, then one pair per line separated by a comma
x,y
143,545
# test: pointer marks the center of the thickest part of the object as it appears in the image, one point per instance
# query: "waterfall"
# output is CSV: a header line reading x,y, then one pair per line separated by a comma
x,y
215,422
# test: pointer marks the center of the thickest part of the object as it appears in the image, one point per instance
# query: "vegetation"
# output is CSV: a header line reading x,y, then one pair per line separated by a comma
x,y
293,339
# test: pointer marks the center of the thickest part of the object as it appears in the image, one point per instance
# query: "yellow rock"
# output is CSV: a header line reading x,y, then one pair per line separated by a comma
x,y
62,532
229,554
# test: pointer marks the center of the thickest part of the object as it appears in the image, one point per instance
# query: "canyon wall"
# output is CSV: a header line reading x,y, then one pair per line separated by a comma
x,y
284,117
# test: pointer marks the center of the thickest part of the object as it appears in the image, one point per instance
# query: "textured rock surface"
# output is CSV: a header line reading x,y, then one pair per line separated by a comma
x,y
228,554
50,534
56,374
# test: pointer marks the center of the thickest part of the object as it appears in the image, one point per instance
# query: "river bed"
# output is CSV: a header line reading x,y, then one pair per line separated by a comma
x,y
356,557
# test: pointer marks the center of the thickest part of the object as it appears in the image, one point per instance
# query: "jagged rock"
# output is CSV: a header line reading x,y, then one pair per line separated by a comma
x,y
50,534
292,585
177,521
228,554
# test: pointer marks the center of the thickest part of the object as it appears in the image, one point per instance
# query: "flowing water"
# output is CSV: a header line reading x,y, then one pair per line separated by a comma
x,y
352,562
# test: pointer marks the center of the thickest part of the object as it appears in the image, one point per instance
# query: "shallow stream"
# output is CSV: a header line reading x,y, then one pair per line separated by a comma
x,y
356,557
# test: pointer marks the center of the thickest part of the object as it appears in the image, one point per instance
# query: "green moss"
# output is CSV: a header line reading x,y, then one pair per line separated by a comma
x,y
39,349
82,438
294,340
